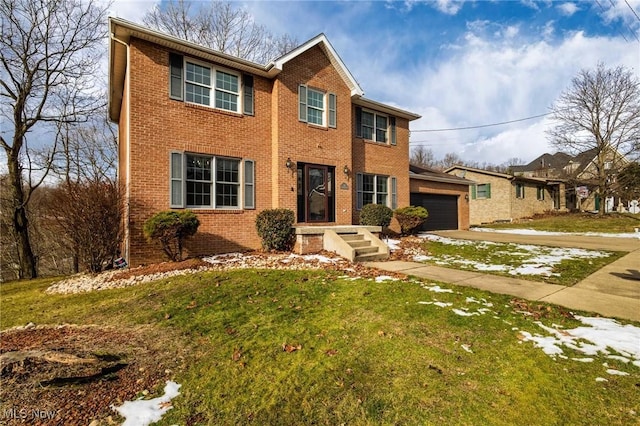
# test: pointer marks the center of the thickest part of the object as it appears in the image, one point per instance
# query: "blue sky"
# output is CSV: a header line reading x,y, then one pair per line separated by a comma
x,y
462,63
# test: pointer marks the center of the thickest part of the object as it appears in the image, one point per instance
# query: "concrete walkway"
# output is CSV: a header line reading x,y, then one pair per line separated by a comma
x,y
613,291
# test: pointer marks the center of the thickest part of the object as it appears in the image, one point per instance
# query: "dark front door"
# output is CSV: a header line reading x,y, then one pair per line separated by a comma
x,y
315,193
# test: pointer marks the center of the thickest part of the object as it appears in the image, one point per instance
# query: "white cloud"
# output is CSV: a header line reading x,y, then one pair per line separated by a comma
x,y
488,81
131,10
449,7
568,9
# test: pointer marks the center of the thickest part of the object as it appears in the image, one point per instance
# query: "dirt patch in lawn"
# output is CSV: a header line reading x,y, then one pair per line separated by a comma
x,y
62,375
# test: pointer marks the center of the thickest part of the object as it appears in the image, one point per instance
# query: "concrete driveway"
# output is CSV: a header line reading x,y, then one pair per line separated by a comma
x,y
612,291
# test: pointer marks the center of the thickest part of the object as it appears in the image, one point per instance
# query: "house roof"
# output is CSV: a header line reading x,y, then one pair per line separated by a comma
x,y
425,173
545,161
505,176
121,31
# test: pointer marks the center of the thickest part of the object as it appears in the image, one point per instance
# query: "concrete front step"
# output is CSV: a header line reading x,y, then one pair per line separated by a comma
x,y
371,257
366,250
359,243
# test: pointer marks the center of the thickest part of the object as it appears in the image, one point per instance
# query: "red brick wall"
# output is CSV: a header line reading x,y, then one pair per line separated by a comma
x,y
383,159
159,125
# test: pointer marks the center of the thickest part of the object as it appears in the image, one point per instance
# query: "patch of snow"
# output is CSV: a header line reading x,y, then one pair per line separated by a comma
x,y
144,412
421,258
601,379
466,348
437,289
393,244
617,372
464,313
382,278
583,359
598,336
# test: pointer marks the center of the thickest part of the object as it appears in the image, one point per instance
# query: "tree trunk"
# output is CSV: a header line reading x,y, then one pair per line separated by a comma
x,y
21,222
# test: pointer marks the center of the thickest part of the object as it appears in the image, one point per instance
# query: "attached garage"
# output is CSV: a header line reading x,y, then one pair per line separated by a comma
x,y
443,210
445,197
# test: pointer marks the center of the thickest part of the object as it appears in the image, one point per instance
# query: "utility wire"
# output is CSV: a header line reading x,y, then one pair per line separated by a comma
x,y
632,10
605,10
482,125
633,33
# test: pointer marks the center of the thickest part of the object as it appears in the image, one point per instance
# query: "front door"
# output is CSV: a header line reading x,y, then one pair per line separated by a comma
x,y
315,193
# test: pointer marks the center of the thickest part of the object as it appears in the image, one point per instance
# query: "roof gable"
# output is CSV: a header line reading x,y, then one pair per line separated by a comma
x,y
321,41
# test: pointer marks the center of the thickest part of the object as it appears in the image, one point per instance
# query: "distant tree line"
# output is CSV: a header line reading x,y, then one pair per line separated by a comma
x,y
424,157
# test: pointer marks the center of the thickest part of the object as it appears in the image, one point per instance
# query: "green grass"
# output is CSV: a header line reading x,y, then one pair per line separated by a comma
x,y
469,254
577,222
370,353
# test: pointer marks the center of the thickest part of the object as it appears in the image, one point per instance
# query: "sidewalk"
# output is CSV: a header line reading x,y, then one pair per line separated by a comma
x,y
613,291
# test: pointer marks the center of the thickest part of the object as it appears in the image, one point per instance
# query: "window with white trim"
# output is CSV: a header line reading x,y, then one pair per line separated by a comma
x,y
317,107
519,190
206,181
374,189
540,192
375,127
207,85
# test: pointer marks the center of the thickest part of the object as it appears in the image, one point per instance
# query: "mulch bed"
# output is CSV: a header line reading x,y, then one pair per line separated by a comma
x,y
73,374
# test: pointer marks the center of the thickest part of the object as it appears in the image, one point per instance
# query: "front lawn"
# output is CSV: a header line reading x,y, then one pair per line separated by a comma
x,y
311,347
554,265
576,222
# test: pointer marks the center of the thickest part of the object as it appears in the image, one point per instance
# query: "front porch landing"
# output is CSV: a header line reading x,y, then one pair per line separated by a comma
x,y
353,242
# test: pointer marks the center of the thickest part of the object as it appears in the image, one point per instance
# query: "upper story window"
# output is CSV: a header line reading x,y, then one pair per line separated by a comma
x,y
375,127
317,107
207,85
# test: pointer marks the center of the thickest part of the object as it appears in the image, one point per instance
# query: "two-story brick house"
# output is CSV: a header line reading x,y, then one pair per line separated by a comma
x,y
228,138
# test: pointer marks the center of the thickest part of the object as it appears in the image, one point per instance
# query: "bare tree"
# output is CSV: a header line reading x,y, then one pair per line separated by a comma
x,y
421,156
219,25
50,56
600,111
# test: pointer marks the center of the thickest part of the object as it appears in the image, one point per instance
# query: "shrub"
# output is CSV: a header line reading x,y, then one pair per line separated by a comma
x,y
274,228
411,218
376,215
171,228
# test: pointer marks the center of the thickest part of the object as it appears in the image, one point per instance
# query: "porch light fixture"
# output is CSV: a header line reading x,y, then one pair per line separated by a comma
x,y
466,197
346,170
289,163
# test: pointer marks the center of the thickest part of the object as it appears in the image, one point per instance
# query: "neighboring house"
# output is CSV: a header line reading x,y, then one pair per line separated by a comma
x,y
580,172
446,198
502,197
228,138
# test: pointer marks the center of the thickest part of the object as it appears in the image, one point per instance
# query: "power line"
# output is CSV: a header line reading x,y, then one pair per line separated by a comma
x,y
482,125
632,10
633,33
605,11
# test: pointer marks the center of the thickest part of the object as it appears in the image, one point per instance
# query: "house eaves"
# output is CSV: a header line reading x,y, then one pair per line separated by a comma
x,y
542,181
436,178
121,31
388,109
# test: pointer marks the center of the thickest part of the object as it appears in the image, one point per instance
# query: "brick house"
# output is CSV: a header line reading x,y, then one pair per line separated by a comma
x,y
503,197
228,138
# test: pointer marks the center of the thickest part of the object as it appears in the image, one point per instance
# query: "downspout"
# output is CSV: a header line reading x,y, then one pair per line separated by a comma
x,y
126,237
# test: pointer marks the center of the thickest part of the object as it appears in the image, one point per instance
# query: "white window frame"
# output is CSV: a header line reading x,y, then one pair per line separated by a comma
x,y
328,110
178,182
390,194
375,128
485,187
213,88
520,190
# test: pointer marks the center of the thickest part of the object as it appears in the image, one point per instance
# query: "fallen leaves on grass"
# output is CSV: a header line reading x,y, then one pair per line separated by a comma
x,y
290,348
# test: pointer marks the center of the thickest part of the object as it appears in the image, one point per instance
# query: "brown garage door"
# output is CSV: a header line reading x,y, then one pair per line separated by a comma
x,y
443,210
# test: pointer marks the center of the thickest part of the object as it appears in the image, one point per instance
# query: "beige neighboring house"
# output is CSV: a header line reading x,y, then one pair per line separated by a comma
x,y
500,197
580,173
